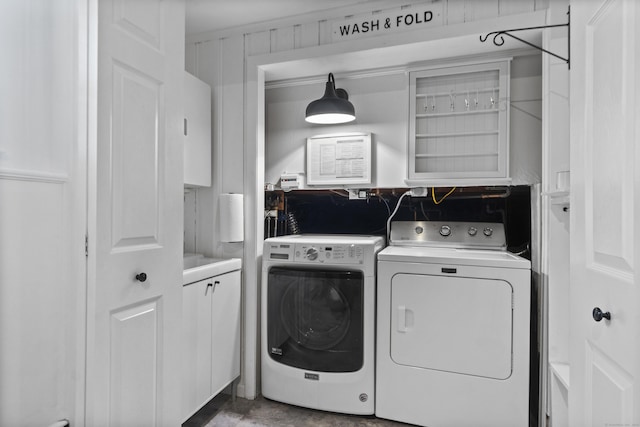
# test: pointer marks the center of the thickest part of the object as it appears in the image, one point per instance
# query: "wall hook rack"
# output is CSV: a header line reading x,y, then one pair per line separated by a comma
x,y
498,38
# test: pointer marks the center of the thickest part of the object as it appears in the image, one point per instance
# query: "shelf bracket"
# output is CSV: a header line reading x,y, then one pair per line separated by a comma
x,y
498,38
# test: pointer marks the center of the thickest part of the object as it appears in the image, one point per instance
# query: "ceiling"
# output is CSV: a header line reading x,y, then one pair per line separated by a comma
x,y
216,15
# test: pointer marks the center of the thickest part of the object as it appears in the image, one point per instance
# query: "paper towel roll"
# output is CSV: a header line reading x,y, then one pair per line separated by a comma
x,y
231,217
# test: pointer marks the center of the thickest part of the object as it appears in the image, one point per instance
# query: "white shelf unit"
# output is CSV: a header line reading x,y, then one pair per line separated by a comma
x,y
459,122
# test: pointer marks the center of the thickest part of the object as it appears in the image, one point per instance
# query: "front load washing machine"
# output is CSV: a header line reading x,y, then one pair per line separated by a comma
x,y
318,321
452,327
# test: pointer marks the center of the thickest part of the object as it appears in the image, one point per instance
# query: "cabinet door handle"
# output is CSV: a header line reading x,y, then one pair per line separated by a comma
x,y
212,286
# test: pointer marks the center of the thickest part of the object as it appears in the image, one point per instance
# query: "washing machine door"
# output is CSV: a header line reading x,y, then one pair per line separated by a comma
x,y
315,318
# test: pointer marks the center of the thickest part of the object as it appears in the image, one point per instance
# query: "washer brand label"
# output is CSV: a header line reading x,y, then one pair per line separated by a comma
x,y
308,376
276,351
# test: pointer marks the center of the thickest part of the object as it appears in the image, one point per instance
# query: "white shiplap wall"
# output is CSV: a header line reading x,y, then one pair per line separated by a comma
x,y
226,61
316,29
43,213
381,103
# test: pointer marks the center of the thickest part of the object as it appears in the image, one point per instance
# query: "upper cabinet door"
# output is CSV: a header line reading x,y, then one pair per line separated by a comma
x,y
459,124
197,132
135,299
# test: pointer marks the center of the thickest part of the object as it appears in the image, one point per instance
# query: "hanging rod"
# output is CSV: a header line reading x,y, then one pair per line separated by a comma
x,y
498,38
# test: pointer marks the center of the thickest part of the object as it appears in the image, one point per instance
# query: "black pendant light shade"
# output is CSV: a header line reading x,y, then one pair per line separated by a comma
x,y
334,107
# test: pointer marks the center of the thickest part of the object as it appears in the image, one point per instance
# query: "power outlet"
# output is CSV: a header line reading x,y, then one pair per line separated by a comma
x,y
419,192
355,194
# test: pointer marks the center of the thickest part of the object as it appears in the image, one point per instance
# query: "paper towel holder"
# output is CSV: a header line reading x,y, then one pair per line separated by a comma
x,y
231,217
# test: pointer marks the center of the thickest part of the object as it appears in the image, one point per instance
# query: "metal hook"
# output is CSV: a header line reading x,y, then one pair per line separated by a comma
x,y
498,38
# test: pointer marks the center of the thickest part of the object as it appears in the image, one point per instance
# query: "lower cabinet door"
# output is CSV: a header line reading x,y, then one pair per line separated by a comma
x,y
211,338
196,318
225,330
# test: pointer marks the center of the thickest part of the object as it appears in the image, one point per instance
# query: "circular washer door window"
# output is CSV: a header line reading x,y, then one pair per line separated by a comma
x,y
315,313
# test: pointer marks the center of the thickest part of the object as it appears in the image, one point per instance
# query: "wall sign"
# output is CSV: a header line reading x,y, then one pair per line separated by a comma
x,y
389,21
339,159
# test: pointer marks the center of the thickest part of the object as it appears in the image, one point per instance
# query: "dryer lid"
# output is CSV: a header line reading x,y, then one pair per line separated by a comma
x,y
453,256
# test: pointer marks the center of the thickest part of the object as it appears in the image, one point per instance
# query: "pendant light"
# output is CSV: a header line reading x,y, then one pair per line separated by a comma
x,y
334,107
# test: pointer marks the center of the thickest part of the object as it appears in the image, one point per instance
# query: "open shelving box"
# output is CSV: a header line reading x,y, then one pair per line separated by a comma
x,y
459,122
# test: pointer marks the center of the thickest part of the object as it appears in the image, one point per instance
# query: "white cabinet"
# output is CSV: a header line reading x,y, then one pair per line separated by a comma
x,y
225,331
196,320
197,132
458,124
211,325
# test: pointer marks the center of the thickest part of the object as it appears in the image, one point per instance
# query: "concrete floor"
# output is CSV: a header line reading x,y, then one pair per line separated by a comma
x,y
223,412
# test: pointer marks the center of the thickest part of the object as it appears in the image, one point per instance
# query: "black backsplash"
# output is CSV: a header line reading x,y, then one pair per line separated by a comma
x,y
331,212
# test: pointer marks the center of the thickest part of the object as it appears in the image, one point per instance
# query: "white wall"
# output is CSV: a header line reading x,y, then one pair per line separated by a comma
x,y
555,226
42,211
205,61
381,103
234,62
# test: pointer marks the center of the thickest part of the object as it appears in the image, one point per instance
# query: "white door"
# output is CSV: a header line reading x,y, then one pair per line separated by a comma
x,y
605,213
134,325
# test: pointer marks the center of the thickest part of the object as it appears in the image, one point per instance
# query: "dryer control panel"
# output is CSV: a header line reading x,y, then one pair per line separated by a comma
x,y
463,235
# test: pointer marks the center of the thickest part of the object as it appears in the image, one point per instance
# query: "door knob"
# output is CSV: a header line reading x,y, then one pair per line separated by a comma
x,y
141,277
598,314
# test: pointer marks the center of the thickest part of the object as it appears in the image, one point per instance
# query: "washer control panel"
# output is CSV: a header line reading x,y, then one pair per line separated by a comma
x,y
316,253
336,254
463,235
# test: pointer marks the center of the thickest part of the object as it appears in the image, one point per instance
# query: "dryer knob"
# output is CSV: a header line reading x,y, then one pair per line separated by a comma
x,y
312,254
445,231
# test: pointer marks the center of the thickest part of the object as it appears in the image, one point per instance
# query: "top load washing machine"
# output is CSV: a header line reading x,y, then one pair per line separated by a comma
x,y
453,322
318,321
